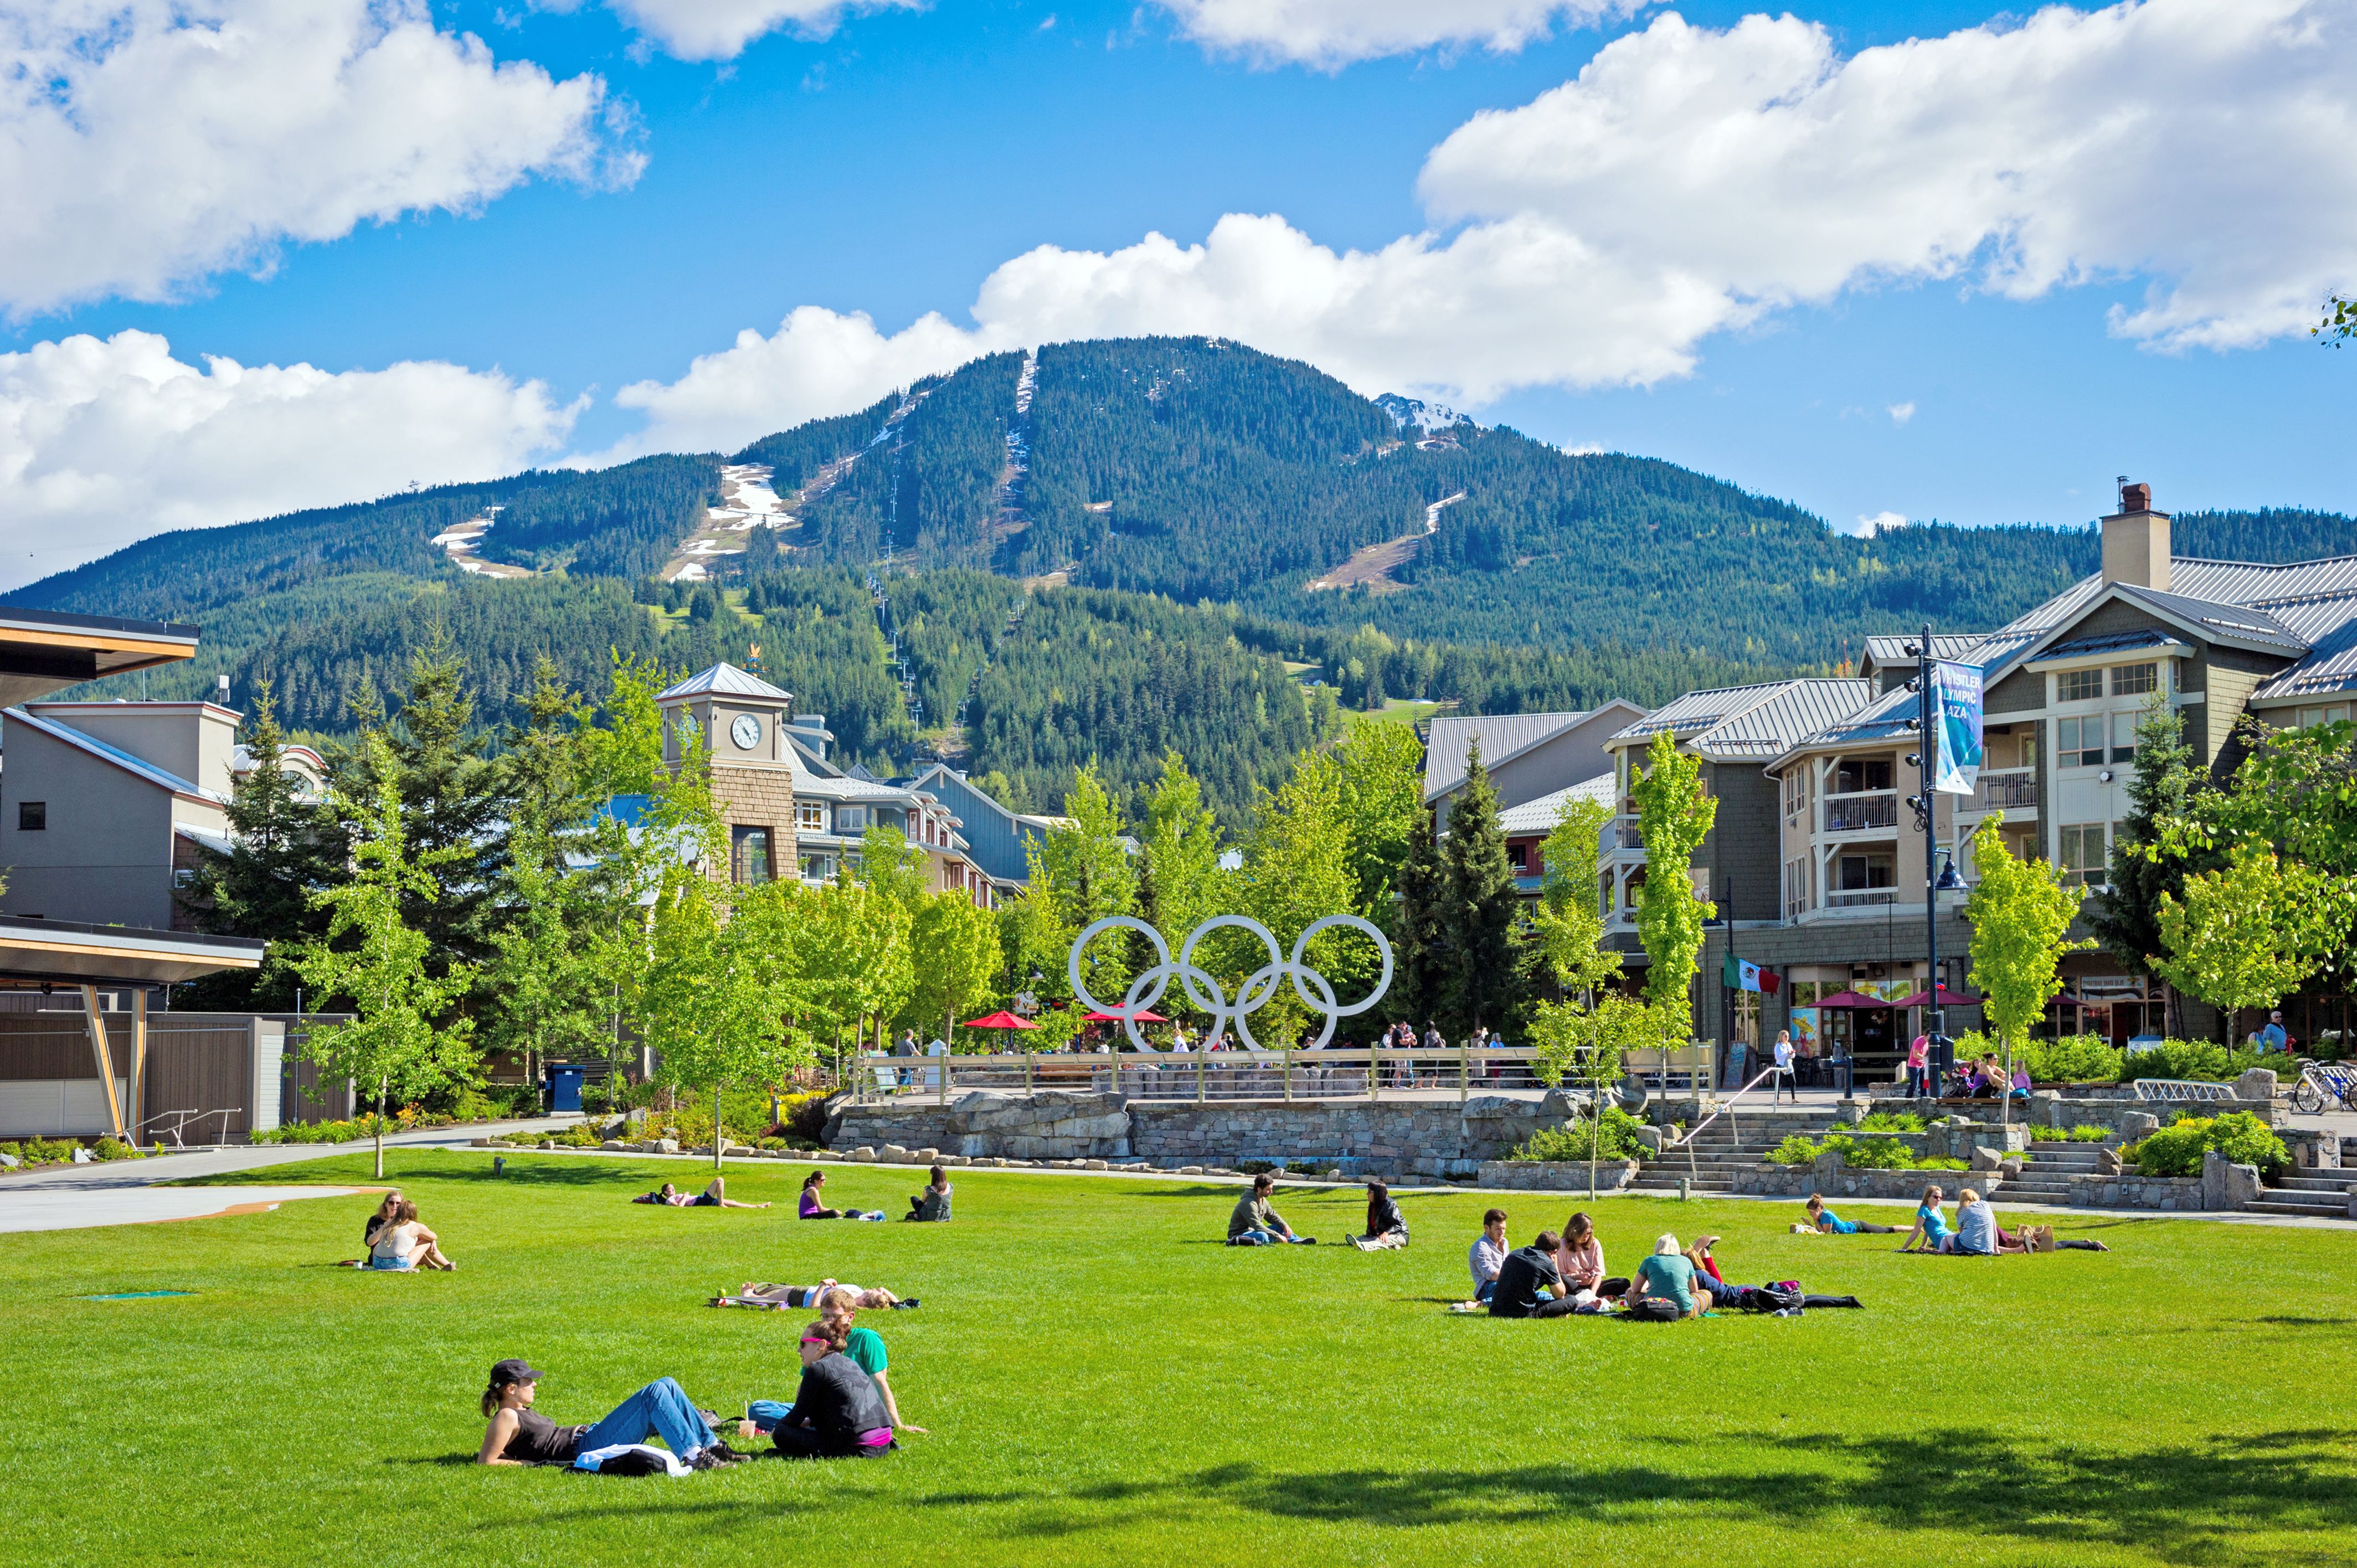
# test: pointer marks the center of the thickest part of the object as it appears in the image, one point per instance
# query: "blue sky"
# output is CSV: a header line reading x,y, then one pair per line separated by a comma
x,y
892,166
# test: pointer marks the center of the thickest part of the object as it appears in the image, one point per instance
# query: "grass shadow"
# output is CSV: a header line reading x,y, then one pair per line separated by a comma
x,y
2188,1503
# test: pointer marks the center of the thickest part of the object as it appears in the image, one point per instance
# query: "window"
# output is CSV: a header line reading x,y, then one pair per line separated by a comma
x,y
809,816
2078,685
1853,775
2084,863
32,816
2030,749
1518,856
752,856
850,819
2134,680
1796,888
2124,742
1796,791
2308,719
2078,743
184,876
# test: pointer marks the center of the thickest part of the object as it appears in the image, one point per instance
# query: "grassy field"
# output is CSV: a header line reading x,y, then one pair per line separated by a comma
x,y
1105,1384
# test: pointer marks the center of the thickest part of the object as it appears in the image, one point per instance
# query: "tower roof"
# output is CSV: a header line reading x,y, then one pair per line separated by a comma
x,y
724,680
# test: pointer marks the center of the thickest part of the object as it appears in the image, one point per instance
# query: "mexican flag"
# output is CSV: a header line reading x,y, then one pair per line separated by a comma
x,y
1743,977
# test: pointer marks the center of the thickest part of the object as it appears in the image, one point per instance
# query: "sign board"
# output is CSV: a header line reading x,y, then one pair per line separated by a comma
x,y
1956,741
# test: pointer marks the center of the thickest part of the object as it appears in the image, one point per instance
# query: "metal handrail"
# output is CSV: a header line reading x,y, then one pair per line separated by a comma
x,y
186,1117
2181,1089
1726,1108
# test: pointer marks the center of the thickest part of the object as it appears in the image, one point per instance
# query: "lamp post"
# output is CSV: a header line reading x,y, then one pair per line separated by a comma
x,y
1937,878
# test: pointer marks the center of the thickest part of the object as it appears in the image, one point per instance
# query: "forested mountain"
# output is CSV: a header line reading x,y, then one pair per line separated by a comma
x,y
1480,566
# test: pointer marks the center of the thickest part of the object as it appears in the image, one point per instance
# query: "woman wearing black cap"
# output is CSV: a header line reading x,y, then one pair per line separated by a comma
x,y
518,1434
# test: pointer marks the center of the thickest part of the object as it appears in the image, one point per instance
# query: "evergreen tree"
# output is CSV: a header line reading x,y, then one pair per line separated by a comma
x,y
283,849
1418,981
2124,916
451,804
1483,980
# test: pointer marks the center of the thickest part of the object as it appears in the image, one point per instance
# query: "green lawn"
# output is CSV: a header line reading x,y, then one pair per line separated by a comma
x,y
1107,1385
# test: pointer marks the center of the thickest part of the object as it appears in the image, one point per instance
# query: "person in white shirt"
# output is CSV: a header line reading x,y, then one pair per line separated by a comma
x,y
1783,1081
1489,1254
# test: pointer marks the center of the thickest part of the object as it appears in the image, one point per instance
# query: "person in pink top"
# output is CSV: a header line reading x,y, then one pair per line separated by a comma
x,y
1580,1256
1918,1058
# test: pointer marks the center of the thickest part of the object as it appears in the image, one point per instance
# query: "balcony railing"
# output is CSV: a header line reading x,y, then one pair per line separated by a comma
x,y
1625,836
1848,813
1861,897
2013,789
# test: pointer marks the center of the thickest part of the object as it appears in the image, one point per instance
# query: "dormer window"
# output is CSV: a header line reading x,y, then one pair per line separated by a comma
x,y
2078,685
809,816
2134,680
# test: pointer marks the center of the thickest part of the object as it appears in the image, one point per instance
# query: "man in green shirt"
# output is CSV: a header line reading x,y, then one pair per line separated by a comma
x,y
1252,1223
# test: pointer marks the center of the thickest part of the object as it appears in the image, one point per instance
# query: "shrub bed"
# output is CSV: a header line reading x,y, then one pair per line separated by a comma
x,y
2177,1149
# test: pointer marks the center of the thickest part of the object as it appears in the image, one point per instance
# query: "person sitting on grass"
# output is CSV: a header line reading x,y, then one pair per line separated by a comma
x,y
1930,1232
812,1207
932,1204
1975,1226
714,1195
379,1219
865,1348
518,1434
1824,1221
1668,1276
1489,1254
1787,1297
1580,1258
402,1243
1386,1226
838,1412
1528,1286
1252,1223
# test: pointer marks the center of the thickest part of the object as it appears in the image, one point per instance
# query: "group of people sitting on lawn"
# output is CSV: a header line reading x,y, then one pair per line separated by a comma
x,y
843,1408
1562,1273
394,1240
1254,1223
931,1206
1977,1233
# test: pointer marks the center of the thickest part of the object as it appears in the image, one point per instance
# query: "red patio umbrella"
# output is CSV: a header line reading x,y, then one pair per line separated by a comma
x,y
1854,999
1001,1021
1947,999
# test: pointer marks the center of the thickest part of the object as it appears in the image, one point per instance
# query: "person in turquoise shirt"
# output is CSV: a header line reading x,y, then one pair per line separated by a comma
x,y
1931,1226
1668,1274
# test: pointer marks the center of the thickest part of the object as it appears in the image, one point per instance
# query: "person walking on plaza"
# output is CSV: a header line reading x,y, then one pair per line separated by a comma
x,y
2273,1038
1783,1083
1918,1067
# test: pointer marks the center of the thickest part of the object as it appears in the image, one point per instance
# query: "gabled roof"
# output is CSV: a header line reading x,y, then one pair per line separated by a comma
x,y
1540,816
1885,652
726,680
1883,719
1754,722
1503,737
2108,642
91,746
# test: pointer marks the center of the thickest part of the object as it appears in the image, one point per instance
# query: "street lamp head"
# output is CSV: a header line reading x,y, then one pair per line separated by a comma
x,y
1949,881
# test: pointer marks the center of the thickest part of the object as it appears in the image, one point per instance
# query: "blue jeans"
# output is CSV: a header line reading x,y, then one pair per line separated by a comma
x,y
660,1408
1919,1082
1484,1290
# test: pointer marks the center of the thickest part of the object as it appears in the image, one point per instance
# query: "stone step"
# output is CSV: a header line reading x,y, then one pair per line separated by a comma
x,y
2336,1182
2276,1201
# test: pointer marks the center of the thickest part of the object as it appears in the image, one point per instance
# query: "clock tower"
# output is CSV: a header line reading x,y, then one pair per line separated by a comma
x,y
741,718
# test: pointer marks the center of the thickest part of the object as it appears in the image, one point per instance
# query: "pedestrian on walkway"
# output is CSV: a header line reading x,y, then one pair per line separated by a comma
x,y
1918,1067
1782,1082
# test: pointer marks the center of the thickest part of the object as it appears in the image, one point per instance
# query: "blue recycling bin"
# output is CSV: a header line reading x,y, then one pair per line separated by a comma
x,y
564,1085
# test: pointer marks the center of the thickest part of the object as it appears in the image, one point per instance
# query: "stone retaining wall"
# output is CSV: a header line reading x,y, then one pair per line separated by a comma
x,y
1554,1175
1393,1139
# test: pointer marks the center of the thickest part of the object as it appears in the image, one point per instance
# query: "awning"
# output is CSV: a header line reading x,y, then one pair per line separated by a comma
x,y
60,952
1841,999
42,651
1947,999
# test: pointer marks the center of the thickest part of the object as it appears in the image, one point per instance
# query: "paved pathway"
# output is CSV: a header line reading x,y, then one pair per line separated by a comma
x,y
125,1192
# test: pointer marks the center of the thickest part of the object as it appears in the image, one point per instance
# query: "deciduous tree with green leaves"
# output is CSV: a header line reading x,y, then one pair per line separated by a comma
x,y
2161,789
954,947
2021,915
401,1040
1080,874
2246,934
1569,922
1674,816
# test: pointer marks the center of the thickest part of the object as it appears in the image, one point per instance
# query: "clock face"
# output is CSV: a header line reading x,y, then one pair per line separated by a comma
x,y
746,732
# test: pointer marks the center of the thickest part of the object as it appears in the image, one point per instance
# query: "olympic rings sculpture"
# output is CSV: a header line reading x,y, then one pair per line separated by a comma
x,y
1204,993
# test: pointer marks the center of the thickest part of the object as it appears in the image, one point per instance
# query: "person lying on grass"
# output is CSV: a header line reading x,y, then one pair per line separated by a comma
x,y
1785,1296
2009,1242
932,1205
838,1411
1386,1226
714,1195
1489,1255
810,1297
400,1242
518,1434
1252,1223
1824,1221
812,1207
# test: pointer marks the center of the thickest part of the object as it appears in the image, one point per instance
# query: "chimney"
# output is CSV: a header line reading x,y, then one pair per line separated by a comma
x,y
2136,541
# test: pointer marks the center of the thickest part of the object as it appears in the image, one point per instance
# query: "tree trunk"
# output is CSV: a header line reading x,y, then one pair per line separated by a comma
x,y
715,1126
383,1088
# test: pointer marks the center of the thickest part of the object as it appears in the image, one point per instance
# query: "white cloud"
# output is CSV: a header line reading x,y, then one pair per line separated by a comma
x,y
719,29
1692,181
1900,413
1333,33
147,143
1867,527
104,441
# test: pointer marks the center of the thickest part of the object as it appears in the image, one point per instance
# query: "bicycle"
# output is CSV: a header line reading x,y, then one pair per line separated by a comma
x,y
2321,1083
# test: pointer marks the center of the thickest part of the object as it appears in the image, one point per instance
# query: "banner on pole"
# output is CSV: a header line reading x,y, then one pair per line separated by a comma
x,y
1956,702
